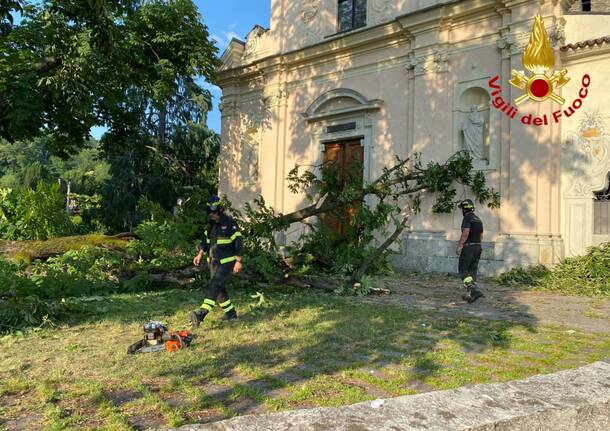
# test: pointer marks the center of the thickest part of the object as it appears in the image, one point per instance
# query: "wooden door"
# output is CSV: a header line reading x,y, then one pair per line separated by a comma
x,y
347,160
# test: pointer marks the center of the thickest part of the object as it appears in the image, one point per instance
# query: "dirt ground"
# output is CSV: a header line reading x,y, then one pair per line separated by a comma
x,y
443,294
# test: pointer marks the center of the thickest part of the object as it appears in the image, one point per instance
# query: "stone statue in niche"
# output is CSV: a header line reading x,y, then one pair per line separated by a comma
x,y
473,131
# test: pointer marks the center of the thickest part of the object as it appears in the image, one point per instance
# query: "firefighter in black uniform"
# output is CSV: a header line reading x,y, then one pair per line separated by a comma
x,y
222,243
469,250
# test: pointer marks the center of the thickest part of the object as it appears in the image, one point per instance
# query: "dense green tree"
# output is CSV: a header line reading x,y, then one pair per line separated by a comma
x,y
23,164
133,66
73,64
186,165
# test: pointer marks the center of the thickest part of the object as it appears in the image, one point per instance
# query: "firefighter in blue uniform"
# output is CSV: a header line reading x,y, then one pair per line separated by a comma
x,y
222,248
469,250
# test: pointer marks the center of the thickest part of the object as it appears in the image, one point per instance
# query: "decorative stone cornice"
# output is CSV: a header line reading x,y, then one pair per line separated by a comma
x,y
512,43
228,106
231,57
363,105
380,11
435,62
557,33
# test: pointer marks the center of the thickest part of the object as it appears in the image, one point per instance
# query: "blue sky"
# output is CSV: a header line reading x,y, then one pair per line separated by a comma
x,y
225,19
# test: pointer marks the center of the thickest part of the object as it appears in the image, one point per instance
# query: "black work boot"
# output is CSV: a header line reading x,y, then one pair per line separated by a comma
x,y
473,295
230,315
197,317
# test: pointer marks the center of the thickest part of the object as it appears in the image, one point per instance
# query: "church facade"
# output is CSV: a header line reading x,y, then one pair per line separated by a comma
x,y
376,78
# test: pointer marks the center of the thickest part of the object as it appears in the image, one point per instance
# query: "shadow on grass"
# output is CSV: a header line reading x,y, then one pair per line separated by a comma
x,y
344,336
304,341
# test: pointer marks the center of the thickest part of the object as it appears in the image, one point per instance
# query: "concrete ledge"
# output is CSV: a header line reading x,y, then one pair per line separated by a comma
x,y
569,400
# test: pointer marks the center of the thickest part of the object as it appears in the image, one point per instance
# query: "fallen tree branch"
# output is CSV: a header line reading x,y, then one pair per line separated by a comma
x,y
126,236
43,250
186,275
364,265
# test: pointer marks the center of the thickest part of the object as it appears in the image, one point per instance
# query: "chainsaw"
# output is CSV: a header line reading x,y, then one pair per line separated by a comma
x,y
157,338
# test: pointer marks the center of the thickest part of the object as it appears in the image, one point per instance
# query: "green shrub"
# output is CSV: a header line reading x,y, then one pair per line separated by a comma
x,y
581,275
68,279
18,304
34,214
526,276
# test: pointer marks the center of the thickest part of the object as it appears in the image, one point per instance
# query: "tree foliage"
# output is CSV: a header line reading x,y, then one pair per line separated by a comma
x,y
33,214
68,66
23,164
389,201
133,66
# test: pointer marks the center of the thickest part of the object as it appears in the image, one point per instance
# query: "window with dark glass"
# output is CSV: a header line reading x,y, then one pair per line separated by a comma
x,y
352,14
586,5
601,210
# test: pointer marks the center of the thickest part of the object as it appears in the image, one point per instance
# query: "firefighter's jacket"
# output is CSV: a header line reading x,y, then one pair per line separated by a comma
x,y
222,240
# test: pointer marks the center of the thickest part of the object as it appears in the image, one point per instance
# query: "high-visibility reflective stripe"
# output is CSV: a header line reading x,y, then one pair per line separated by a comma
x,y
228,259
207,241
207,306
225,304
225,240
228,308
209,301
468,280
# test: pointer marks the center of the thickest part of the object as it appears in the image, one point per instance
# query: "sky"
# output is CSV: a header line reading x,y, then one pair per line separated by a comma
x,y
225,20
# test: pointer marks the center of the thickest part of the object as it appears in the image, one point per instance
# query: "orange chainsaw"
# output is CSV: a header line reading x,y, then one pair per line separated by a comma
x,y
157,338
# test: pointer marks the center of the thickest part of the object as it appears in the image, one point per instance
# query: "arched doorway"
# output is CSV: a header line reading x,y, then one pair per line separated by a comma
x,y
342,126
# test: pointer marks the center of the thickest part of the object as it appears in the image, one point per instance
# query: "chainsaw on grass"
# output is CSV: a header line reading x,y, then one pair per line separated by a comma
x,y
157,338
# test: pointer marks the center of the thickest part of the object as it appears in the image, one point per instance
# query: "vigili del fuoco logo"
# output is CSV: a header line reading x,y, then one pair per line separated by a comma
x,y
539,59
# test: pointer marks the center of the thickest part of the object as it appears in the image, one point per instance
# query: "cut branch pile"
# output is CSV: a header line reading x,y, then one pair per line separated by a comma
x,y
186,275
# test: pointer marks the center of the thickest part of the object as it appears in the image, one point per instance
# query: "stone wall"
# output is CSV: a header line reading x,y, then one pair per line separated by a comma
x,y
433,252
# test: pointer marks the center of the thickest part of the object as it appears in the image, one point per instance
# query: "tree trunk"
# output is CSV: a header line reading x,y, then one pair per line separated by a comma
x,y
357,276
162,127
378,188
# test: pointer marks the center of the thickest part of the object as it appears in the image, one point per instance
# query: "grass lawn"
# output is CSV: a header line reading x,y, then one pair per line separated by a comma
x,y
299,349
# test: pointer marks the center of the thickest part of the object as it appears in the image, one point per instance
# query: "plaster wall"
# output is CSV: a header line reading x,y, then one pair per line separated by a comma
x,y
402,82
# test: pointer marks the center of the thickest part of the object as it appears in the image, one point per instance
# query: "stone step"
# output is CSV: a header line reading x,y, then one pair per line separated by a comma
x,y
571,400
